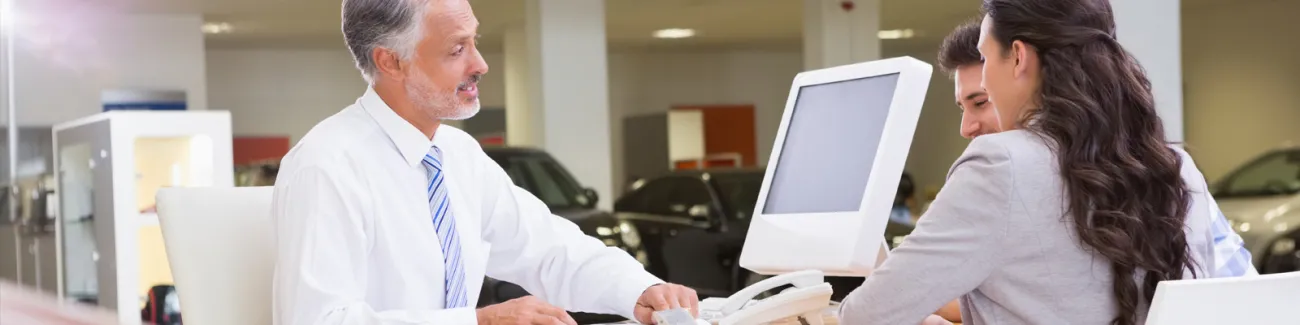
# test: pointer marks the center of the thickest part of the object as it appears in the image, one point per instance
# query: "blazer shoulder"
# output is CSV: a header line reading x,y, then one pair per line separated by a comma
x,y
1017,148
1020,145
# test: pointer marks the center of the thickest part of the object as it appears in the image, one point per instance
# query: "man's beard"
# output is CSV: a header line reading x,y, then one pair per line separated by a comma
x,y
441,105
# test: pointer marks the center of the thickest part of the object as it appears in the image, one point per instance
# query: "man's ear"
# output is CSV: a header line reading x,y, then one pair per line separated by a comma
x,y
387,63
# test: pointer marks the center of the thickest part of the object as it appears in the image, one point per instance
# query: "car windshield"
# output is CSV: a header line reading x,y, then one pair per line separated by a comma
x,y
739,190
1276,173
545,179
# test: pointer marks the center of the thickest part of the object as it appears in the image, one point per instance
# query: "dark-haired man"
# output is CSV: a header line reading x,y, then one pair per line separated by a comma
x,y
960,59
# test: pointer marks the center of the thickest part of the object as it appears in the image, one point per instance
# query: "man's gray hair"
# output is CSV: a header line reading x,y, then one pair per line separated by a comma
x,y
391,24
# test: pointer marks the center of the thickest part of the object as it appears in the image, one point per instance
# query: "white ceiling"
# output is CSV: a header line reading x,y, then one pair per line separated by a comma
x,y
719,23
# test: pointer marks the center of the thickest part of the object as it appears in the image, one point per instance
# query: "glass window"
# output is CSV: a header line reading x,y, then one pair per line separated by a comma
x,y
689,192
739,192
651,198
515,173
80,252
1274,174
545,179
548,188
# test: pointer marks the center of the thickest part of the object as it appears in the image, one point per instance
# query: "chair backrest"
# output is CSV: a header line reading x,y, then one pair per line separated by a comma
x,y
1264,299
219,244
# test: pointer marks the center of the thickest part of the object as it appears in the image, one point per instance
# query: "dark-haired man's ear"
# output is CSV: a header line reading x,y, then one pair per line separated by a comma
x,y
387,64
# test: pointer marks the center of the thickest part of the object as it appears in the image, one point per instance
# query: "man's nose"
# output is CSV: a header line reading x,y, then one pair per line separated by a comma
x,y
480,66
969,128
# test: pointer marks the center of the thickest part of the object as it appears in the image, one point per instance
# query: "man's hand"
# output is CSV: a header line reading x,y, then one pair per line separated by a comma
x,y
524,310
663,297
935,320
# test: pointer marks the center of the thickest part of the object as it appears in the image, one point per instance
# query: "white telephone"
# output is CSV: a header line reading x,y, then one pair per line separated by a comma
x,y
808,298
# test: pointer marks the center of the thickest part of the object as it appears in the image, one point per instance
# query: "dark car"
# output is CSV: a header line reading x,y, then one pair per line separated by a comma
x,y
692,225
544,177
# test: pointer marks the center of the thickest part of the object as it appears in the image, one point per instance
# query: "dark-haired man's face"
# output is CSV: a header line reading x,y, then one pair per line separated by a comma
x,y
977,114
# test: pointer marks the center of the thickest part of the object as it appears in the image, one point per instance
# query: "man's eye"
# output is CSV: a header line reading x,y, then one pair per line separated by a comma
x,y
981,103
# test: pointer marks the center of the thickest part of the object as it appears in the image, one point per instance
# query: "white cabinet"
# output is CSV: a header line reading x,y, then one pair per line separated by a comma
x,y
110,167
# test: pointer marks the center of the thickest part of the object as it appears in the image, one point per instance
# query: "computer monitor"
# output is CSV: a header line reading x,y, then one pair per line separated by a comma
x,y
1262,299
835,167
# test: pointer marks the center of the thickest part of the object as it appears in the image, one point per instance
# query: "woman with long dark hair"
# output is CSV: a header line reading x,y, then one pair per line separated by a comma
x,y
1074,214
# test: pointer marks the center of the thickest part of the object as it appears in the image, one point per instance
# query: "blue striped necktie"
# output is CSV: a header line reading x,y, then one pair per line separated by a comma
x,y
453,281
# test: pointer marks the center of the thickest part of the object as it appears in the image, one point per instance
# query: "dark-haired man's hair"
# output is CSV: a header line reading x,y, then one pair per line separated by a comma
x,y
960,49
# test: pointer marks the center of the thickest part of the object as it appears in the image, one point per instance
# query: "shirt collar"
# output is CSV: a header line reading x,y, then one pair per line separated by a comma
x,y
409,140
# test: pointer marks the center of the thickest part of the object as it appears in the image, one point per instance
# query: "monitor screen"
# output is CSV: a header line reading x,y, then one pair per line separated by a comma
x,y
830,146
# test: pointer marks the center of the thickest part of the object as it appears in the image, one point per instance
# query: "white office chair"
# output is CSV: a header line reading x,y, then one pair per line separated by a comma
x,y
219,243
1264,299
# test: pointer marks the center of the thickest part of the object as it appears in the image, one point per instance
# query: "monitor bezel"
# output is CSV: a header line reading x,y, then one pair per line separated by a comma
x,y
838,242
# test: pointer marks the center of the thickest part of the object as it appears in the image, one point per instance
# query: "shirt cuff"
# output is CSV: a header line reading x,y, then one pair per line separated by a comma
x,y
453,316
623,296
465,315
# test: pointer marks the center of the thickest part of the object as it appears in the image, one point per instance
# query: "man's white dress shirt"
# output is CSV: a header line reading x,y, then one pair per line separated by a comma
x,y
356,243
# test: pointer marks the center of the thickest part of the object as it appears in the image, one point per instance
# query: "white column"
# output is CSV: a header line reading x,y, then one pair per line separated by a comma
x,y
557,88
522,129
1151,30
837,32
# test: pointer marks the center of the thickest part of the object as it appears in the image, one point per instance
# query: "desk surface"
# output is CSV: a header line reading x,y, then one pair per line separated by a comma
x,y
829,317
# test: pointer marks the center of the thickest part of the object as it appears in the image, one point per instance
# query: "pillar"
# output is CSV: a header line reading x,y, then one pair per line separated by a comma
x,y
522,129
557,89
839,32
1151,30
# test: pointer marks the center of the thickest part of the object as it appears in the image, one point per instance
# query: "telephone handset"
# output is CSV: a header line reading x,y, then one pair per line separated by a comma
x,y
809,297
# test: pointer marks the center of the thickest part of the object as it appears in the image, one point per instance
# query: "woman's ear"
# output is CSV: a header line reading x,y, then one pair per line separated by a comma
x,y
1022,54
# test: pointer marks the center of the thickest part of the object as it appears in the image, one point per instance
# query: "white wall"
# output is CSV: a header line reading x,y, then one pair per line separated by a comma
x,y
281,92
1241,64
1240,75
286,92
65,58
653,82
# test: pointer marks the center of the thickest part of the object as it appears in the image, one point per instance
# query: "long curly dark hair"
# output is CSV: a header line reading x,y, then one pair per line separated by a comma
x,y
1125,191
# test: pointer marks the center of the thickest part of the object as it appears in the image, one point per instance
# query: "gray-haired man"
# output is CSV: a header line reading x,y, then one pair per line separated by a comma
x,y
385,216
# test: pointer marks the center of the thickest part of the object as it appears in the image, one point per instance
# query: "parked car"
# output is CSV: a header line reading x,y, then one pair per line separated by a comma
x,y
544,177
1262,201
692,226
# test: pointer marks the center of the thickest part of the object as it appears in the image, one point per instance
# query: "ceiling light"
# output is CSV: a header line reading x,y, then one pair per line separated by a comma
x,y
895,34
674,33
216,28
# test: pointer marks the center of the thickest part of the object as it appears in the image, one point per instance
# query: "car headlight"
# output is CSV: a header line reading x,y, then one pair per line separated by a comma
x,y
630,236
1238,225
605,231
1281,247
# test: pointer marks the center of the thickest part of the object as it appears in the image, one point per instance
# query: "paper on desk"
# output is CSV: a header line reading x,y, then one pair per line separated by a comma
x,y
830,316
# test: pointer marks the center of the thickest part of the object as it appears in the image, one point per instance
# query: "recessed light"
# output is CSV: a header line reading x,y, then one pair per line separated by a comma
x,y
674,33
895,34
216,28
